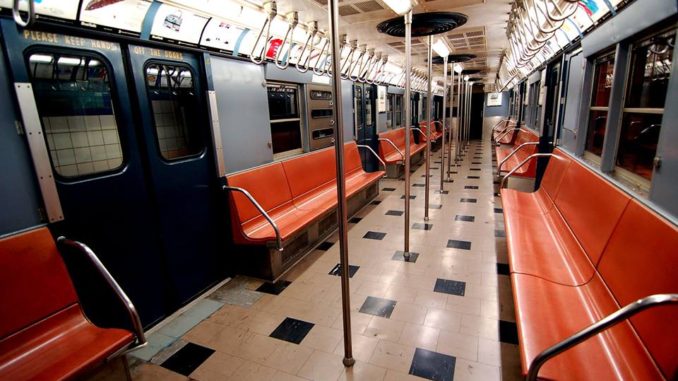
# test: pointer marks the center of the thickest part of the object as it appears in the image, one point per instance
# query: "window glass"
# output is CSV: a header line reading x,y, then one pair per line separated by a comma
x,y
389,110
646,93
283,109
174,102
600,100
368,106
73,96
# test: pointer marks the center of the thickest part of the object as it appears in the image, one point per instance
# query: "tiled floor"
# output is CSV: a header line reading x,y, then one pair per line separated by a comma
x,y
446,313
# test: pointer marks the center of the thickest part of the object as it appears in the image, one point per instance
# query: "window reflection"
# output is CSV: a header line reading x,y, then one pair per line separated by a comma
x,y
646,94
600,101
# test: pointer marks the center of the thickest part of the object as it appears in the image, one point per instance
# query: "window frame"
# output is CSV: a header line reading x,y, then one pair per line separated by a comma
x,y
115,104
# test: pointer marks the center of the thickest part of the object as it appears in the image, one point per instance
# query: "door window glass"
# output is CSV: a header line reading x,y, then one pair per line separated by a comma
x,y
600,100
73,95
368,106
283,106
648,82
175,104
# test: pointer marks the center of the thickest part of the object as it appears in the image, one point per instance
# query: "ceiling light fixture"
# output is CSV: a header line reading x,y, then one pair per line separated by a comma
x,y
441,48
401,7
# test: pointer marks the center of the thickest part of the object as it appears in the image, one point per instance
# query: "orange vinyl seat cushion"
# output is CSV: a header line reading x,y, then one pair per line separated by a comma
x,y
294,192
504,151
43,331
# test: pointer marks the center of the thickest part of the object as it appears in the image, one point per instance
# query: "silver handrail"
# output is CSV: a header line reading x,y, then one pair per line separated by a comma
x,y
321,60
261,210
115,287
271,11
517,167
426,137
358,63
376,155
293,20
607,322
17,16
394,146
512,130
514,152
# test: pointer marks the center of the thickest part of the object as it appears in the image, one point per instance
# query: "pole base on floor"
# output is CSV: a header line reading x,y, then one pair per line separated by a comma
x,y
348,361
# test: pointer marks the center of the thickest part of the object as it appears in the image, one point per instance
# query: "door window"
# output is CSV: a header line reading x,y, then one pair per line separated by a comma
x,y
600,101
74,100
175,104
368,106
283,106
647,85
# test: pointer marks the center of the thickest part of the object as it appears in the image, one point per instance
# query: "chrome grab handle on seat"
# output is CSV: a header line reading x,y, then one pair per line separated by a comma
x,y
514,169
514,152
607,322
374,153
17,15
261,210
510,130
498,123
394,146
115,287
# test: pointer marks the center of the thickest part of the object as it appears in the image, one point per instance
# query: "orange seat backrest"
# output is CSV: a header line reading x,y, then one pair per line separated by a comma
x,y
641,259
397,136
554,172
352,162
34,282
591,206
267,184
310,171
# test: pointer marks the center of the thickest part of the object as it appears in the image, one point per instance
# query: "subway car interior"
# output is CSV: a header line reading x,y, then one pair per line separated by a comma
x,y
338,190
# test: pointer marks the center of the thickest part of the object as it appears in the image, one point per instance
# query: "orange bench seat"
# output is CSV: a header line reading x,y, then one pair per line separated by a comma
x,y
294,192
389,154
435,134
580,249
44,333
504,151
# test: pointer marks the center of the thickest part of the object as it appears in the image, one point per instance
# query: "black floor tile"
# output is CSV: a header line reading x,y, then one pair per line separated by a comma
x,y
470,200
434,168
325,246
476,163
448,286
375,202
424,175
419,185
336,270
187,359
508,332
472,177
475,169
374,235
292,330
378,306
412,197
435,206
460,217
400,256
432,365
470,187
499,234
420,226
437,162
388,189
274,288
498,210
503,269
438,191
355,220
463,245
394,213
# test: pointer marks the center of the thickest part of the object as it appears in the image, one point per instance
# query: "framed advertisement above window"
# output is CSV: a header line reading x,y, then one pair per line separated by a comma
x,y
493,99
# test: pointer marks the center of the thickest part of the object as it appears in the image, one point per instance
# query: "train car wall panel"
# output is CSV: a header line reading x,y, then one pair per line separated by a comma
x,y
243,113
19,197
347,104
638,16
570,126
274,73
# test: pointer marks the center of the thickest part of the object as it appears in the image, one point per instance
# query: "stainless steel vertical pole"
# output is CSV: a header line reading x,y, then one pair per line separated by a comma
x,y
429,101
460,119
442,149
408,123
452,129
468,114
333,15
